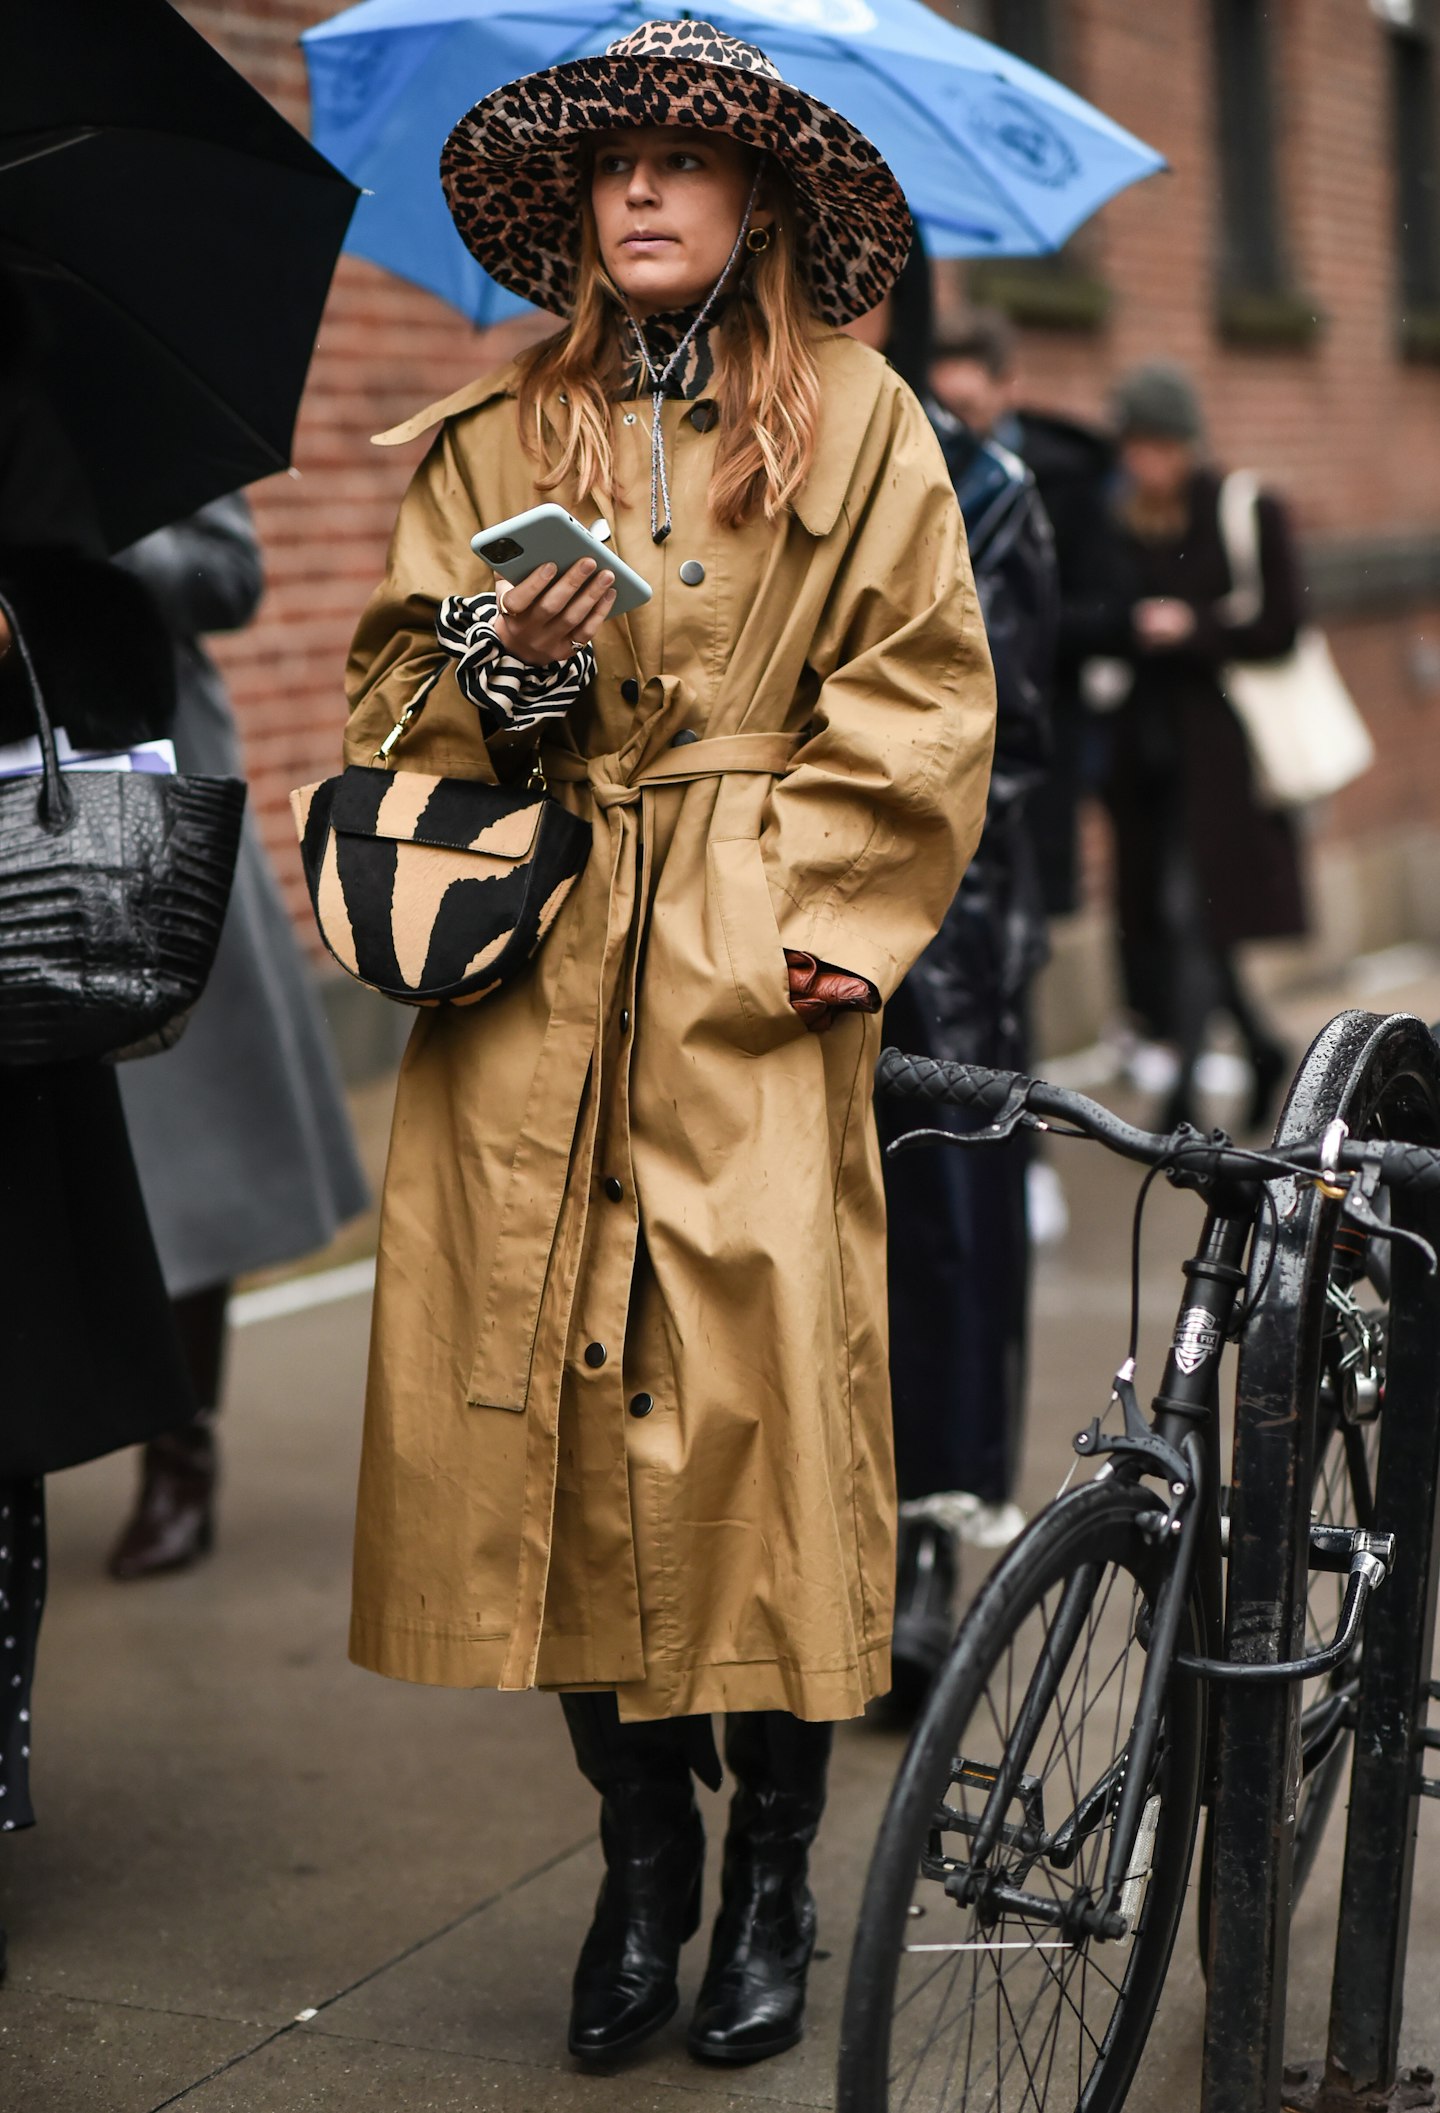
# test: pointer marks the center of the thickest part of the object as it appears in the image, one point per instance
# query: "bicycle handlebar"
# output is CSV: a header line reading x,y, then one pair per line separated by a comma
x,y
935,1083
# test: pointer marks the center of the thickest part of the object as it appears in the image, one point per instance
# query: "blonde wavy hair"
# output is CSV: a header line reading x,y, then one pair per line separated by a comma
x,y
767,383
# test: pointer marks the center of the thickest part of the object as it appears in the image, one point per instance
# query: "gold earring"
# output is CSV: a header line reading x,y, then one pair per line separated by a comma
x,y
758,241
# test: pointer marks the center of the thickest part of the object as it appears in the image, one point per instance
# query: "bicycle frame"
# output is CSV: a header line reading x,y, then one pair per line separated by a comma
x,y
1184,1430
1363,1070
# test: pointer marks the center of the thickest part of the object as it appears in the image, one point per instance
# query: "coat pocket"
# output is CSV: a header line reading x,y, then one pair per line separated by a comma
x,y
753,946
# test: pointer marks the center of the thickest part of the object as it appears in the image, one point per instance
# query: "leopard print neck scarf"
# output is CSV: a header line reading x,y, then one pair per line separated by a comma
x,y
688,378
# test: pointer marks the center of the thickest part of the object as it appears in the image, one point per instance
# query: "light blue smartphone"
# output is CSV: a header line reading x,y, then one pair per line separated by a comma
x,y
547,535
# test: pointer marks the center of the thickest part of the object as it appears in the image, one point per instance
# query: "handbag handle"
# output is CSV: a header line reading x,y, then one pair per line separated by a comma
x,y
56,807
407,718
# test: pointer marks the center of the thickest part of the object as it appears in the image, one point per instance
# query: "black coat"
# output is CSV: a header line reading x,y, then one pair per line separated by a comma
x,y
1074,468
1180,771
958,1247
969,987
89,1360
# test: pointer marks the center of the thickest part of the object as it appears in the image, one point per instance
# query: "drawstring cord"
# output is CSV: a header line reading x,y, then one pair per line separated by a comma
x,y
659,474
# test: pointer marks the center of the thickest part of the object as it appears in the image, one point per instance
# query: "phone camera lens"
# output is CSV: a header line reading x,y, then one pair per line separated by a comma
x,y
501,550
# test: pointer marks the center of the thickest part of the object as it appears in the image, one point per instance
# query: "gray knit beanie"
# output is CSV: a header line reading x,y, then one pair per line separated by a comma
x,y
1157,402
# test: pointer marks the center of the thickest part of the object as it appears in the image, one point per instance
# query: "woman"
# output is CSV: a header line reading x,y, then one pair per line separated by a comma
x,y
958,1241
628,1424
1202,865
240,1132
90,1360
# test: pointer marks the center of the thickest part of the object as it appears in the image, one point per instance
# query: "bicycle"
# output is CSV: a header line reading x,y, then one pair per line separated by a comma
x,y
1140,1650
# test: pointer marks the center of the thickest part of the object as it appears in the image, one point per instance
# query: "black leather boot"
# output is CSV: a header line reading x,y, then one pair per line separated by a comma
x,y
927,1582
752,2001
649,1900
173,1523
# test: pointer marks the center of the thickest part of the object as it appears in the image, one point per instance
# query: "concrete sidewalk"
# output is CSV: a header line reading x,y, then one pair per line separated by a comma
x,y
264,1880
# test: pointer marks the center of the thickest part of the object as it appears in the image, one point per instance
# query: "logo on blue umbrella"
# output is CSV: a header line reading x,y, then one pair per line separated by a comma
x,y
1020,135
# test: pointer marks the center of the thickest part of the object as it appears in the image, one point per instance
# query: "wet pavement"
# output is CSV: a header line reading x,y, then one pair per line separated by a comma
x,y
265,1880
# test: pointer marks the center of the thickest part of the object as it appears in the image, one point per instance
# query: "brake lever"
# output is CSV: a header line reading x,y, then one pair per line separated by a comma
x,y
1007,1122
1359,1205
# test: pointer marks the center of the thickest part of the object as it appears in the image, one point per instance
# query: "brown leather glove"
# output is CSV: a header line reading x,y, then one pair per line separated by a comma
x,y
818,990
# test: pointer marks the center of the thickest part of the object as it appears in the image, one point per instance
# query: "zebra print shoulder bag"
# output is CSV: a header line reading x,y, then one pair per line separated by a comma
x,y
434,891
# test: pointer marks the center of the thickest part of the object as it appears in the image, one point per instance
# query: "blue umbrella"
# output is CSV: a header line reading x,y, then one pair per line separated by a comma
x,y
996,159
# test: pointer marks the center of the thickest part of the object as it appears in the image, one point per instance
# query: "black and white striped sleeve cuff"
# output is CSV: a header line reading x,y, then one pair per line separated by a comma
x,y
509,694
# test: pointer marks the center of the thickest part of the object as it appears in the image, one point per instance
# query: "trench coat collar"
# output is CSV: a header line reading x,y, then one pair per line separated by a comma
x,y
820,499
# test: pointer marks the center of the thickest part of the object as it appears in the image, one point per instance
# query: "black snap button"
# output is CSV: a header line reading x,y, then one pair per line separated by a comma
x,y
686,735
630,690
614,1189
641,1404
595,1355
692,572
625,1022
704,415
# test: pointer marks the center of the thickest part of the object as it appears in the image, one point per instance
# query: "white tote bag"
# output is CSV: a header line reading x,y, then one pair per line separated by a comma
x,y
1306,738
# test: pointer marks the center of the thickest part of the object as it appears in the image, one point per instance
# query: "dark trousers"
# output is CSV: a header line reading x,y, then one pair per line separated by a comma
x,y
788,1753
959,1293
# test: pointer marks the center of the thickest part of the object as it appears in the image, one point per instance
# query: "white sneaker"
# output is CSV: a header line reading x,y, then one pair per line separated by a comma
x,y
969,1517
1047,1214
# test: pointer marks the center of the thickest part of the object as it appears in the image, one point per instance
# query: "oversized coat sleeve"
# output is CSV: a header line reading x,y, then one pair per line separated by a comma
x,y
396,657
867,836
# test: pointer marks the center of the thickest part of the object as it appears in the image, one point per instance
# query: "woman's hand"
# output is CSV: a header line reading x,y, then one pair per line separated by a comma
x,y
819,991
543,619
6,641
1161,622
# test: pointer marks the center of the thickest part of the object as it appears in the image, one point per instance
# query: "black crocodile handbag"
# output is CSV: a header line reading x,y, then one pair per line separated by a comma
x,y
113,890
434,891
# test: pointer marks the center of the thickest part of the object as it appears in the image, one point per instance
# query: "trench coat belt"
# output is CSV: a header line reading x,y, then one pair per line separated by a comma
x,y
765,754
543,1166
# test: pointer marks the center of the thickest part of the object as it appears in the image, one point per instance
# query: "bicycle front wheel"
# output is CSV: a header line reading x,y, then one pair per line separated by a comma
x,y
973,1987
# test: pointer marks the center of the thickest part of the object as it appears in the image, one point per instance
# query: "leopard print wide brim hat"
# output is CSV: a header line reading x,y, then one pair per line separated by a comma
x,y
512,167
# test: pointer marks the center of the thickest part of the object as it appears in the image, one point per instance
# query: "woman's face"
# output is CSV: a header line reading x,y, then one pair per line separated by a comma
x,y
668,206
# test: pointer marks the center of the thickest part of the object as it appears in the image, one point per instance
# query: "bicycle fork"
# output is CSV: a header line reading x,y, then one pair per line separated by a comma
x,y
1184,1431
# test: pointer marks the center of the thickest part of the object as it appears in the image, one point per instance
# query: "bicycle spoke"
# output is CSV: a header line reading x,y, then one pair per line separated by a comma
x,y
992,2014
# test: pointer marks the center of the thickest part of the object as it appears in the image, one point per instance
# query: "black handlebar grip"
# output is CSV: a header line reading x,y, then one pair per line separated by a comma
x,y
942,1085
1414,1167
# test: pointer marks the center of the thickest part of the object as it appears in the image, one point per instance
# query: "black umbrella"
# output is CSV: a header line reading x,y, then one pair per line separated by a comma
x,y
176,239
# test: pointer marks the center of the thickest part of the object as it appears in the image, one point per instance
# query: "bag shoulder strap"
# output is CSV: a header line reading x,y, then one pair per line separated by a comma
x,y
1240,535
56,806
408,717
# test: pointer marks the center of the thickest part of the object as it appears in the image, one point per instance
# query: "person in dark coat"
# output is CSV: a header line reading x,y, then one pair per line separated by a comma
x,y
89,1359
1201,864
959,1247
973,374
240,1131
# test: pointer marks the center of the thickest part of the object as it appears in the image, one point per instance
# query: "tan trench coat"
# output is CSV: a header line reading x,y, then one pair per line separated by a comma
x,y
628,1416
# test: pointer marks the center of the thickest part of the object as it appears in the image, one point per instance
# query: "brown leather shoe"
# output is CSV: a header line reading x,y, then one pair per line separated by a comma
x,y
173,1523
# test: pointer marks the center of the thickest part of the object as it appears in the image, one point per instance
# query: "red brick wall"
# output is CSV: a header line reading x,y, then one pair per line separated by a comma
x,y
1348,429
1350,432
